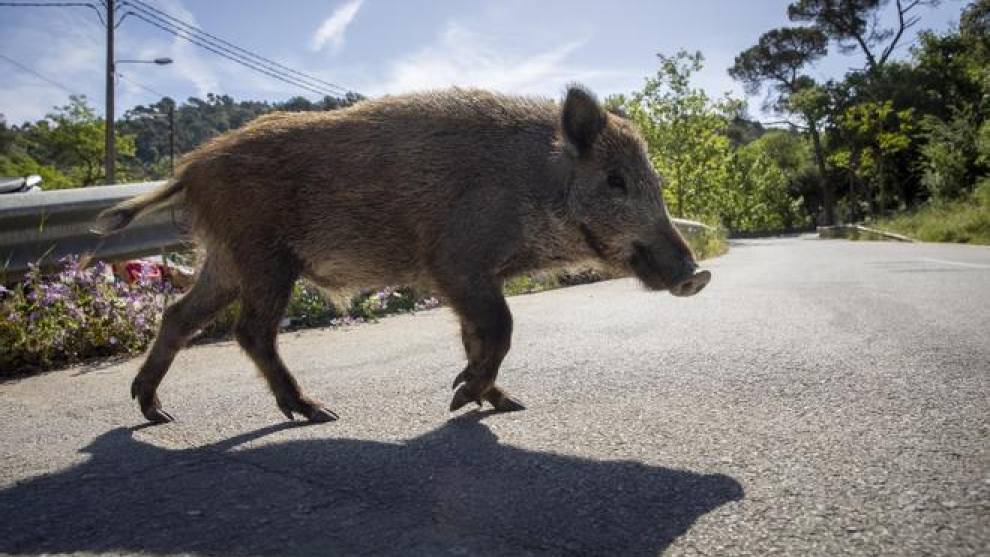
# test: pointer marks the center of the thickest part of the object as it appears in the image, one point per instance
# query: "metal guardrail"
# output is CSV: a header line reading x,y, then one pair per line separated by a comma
x,y
856,231
44,227
691,227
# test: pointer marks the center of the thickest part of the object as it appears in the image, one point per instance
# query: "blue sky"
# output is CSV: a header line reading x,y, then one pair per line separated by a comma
x,y
389,46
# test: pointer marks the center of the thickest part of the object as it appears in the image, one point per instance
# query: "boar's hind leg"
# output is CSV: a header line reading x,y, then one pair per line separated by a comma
x,y
486,329
264,297
205,299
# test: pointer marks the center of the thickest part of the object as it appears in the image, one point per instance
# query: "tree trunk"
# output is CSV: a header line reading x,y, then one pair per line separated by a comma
x,y
828,195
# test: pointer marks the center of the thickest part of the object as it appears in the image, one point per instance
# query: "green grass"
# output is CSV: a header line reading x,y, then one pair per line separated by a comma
x,y
708,244
966,221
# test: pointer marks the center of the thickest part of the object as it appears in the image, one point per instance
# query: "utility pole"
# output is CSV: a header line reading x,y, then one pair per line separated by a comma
x,y
110,150
171,138
110,147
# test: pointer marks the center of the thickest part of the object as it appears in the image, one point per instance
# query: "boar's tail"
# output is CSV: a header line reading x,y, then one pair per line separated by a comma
x,y
120,215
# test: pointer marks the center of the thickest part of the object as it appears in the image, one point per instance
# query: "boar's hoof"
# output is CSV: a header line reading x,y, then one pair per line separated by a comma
x,y
502,401
322,415
462,397
157,415
498,398
311,409
506,403
151,407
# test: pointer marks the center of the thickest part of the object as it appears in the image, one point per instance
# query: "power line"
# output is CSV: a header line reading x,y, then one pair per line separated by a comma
x,y
233,52
227,53
195,41
55,5
248,53
38,75
47,4
140,85
208,41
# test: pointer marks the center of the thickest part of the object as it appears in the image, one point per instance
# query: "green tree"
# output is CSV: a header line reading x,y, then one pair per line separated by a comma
x,y
875,131
762,199
71,139
950,154
854,24
684,129
197,120
777,60
14,160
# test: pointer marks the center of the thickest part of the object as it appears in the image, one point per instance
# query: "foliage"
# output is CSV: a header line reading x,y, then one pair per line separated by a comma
x,y
873,132
684,130
778,58
73,138
19,163
67,147
708,176
895,134
375,304
76,314
198,120
709,243
948,155
80,313
526,284
855,24
763,198
965,220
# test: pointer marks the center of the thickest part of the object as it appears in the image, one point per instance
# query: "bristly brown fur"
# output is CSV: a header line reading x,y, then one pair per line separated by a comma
x,y
457,190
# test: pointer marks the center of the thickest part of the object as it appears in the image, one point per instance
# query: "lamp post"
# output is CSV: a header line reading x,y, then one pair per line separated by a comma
x,y
171,139
111,147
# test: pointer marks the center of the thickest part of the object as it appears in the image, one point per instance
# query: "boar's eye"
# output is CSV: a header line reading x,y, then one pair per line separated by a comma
x,y
617,183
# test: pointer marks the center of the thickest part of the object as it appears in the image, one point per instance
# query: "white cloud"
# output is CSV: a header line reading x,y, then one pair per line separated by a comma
x,y
332,29
464,57
68,47
59,44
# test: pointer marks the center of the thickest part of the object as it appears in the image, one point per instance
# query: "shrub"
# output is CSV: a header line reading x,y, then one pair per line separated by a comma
x,y
75,314
963,221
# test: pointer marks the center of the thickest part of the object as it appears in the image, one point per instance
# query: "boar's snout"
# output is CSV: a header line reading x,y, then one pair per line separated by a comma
x,y
692,285
668,264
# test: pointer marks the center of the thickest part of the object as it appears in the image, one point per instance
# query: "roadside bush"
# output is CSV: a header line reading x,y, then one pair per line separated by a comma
x,y
963,221
78,313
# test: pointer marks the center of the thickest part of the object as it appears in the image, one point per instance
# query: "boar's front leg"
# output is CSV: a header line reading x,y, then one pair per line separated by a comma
x,y
486,329
263,301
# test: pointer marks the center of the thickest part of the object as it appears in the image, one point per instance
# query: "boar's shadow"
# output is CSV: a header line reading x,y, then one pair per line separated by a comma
x,y
455,490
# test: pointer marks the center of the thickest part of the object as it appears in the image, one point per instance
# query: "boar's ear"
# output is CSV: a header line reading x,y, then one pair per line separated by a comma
x,y
582,118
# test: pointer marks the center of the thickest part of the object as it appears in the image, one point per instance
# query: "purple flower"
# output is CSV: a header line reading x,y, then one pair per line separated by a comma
x,y
54,292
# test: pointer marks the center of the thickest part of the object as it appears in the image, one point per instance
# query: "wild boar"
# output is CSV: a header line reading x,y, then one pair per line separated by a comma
x,y
453,190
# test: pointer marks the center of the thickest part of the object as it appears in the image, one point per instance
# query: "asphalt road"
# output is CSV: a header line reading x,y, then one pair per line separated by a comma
x,y
819,398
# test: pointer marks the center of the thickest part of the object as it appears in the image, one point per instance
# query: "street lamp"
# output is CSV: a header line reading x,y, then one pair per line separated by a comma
x,y
159,61
111,147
